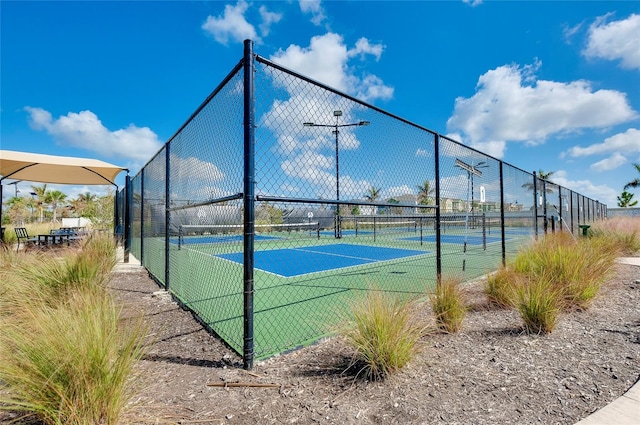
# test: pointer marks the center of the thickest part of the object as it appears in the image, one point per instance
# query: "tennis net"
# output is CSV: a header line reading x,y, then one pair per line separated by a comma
x,y
232,233
379,227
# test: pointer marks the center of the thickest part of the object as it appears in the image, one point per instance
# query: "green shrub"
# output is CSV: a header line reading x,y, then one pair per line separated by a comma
x,y
383,333
448,305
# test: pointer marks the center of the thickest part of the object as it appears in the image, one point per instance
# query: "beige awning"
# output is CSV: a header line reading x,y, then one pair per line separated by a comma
x,y
40,168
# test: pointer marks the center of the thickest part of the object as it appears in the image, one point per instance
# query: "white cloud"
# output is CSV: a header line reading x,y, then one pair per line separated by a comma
x,y
268,19
614,161
569,32
423,152
363,47
617,40
231,25
619,147
472,3
326,60
627,142
84,130
602,192
395,191
510,105
314,7
307,152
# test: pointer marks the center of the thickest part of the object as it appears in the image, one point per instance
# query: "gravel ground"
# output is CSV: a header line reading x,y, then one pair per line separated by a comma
x,y
489,373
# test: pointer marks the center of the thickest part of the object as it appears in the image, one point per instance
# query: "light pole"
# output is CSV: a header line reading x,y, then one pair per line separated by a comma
x,y
335,126
15,185
471,170
33,200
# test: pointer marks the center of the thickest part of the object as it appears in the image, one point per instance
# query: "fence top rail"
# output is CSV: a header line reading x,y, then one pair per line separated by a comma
x,y
341,202
207,202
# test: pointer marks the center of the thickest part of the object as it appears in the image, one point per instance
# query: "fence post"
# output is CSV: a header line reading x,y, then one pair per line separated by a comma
x,y
436,151
249,204
502,233
535,204
559,209
142,173
571,209
545,222
128,190
167,215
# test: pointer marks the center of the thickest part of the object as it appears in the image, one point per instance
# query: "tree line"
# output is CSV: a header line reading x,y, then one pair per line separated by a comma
x,y
43,205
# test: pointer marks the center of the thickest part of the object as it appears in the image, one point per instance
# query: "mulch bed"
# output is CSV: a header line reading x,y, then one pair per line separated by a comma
x,y
491,372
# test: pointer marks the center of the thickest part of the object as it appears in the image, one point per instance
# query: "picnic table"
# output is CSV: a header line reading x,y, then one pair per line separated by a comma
x,y
60,236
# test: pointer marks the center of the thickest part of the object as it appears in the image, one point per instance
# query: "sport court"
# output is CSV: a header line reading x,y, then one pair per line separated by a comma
x,y
305,276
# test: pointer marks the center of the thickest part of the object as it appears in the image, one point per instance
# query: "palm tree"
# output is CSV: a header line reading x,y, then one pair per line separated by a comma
x,y
373,194
635,183
41,199
539,179
55,198
424,193
625,200
82,202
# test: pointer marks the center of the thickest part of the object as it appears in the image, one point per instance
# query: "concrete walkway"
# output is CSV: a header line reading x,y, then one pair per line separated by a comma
x,y
625,410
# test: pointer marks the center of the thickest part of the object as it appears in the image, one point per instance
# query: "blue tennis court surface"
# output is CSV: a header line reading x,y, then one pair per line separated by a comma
x,y
471,240
289,262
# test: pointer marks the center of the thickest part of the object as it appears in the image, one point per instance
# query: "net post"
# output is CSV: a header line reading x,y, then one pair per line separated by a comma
x,y
249,204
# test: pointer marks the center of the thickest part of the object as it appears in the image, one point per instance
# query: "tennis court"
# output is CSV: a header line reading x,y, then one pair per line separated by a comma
x,y
289,262
304,276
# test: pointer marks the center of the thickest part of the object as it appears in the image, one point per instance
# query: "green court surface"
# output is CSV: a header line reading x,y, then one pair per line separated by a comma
x,y
301,304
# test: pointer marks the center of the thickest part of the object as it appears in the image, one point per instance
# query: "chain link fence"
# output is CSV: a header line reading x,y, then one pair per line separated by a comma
x,y
281,200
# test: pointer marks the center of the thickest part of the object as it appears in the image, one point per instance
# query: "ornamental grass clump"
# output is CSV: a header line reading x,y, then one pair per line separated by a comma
x,y
383,332
69,364
448,305
500,287
623,234
57,273
576,267
538,300
65,356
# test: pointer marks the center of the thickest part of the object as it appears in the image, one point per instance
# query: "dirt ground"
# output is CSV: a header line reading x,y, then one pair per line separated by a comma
x,y
489,373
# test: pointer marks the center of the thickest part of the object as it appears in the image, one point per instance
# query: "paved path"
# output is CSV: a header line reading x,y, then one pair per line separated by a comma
x,y
625,410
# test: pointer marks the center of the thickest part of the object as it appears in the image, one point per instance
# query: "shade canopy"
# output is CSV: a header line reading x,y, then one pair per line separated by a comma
x,y
40,168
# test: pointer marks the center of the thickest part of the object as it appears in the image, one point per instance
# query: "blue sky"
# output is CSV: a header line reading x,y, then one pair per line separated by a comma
x,y
541,85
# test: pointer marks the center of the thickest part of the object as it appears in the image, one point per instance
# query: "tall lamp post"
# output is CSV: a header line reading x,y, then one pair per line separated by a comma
x,y
472,170
335,126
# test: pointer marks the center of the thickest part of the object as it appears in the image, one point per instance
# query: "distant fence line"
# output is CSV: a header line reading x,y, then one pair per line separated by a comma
x,y
623,212
280,200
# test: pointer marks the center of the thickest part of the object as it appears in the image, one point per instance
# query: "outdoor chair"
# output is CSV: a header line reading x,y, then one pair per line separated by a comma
x,y
24,238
